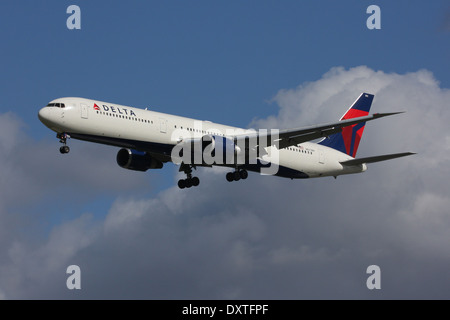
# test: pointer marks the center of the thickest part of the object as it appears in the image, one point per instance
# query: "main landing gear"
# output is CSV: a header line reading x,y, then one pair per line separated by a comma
x,y
237,175
63,139
190,181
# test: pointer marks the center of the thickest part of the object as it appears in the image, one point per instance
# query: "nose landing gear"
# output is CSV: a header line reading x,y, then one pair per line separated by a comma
x,y
63,139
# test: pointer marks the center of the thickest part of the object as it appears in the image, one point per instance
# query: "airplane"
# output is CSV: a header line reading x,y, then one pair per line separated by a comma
x,y
150,139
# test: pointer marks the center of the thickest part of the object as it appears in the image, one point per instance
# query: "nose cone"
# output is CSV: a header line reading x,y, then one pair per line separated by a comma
x,y
46,115
43,114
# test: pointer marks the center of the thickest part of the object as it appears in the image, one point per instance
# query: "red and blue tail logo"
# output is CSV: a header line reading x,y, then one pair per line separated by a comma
x,y
348,140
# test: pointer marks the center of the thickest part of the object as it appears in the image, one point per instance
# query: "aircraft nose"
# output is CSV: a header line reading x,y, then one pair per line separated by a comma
x,y
43,114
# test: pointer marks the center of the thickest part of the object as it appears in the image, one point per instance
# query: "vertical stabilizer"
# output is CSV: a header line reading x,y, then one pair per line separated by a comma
x,y
348,140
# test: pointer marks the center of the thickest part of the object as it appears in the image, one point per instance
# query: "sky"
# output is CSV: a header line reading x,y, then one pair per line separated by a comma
x,y
260,64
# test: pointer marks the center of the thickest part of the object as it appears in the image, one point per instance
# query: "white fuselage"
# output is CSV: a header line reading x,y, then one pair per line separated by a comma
x,y
157,133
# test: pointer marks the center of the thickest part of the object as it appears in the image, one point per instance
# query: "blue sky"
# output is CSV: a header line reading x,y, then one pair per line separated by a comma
x,y
240,63
215,60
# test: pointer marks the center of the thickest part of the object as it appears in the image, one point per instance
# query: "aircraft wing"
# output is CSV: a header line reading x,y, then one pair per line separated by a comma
x,y
355,162
292,137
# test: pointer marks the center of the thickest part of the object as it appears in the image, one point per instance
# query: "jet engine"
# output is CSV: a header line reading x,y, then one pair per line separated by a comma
x,y
137,160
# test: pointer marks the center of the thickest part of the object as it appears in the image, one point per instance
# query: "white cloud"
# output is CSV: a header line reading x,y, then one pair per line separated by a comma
x,y
28,268
265,237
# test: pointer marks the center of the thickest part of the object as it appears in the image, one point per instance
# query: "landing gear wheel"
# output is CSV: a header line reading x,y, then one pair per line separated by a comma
x,y
64,149
195,181
237,175
181,183
190,181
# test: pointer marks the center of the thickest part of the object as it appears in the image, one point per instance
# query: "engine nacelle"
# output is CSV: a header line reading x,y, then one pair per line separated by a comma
x,y
220,147
207,150
137,160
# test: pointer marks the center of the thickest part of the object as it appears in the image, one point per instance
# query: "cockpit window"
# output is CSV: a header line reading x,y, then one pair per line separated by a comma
x,y
57,104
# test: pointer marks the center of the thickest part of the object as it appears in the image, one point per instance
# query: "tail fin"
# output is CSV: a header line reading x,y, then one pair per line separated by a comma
x,y
348,140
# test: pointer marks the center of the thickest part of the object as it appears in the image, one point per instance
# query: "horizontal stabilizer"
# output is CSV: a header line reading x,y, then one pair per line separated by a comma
x,y
355,162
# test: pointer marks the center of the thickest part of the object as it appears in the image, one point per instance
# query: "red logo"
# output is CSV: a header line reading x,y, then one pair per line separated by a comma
x,y
96,107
